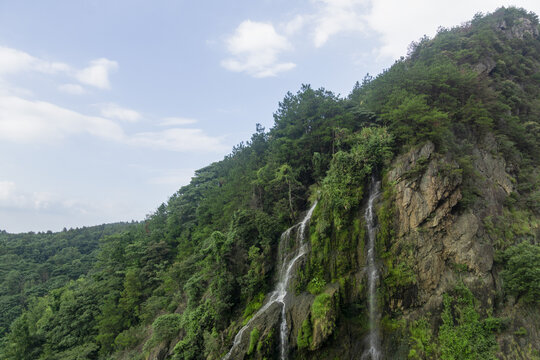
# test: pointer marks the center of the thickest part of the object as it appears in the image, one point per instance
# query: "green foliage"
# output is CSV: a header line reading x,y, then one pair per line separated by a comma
x,y
252,307
413,120
33,264
462,334
322,305
253,340
343,184
208,254
166,327
305,334
267,347
512,226
129,338
522,272
316,285
399,275
421,341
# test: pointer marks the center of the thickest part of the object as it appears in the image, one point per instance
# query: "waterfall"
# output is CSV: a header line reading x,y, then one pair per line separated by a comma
x,y
280,292
373,352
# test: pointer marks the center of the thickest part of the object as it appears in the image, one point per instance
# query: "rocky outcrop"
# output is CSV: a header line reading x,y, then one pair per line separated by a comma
x,y
267,327
324,324
520,28
426,188
485,66
445,244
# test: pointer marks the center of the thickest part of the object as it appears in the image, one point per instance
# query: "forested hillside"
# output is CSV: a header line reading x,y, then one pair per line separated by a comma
x,y
31,265
452,131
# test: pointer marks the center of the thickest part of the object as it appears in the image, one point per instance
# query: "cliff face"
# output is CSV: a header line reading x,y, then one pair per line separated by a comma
x,y
445,245
427,188
440,241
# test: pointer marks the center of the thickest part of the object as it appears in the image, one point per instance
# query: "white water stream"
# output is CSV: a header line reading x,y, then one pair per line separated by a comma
x,y
280,291
373,351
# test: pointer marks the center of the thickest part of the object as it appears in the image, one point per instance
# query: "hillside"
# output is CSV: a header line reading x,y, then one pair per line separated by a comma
x,y
32,265
450,137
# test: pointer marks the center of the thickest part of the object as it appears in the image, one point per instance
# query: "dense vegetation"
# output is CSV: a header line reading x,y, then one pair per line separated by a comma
x,y
31,265
183,281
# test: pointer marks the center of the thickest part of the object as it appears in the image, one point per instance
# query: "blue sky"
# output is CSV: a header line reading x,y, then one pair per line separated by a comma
x,y
107,107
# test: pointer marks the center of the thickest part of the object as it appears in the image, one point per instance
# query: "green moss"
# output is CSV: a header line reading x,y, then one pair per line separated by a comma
x,y
521,332
266,346
252,307
459,268
386,216
253,340
305,334
399,275
322,305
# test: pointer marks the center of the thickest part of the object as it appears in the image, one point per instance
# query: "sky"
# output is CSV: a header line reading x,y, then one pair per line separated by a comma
x,y
108,107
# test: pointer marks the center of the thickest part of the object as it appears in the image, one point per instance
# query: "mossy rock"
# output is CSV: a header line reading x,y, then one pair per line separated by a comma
x,y
324,313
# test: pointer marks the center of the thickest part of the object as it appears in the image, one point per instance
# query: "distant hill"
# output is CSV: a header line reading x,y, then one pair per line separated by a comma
x,y
31,265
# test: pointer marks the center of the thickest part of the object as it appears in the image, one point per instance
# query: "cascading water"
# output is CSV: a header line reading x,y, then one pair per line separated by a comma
x,y
373,351
280,292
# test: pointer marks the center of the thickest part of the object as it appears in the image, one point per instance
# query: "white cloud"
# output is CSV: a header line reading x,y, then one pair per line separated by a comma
x,y
30,121
25,121
336,16
255,47
6,190
401,22
97,74
15,61
176,178
177,139
12,198
296,24
114,111
177,121
73,89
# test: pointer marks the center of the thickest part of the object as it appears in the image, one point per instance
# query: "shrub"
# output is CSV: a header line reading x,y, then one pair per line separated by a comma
x,y
321,306
522,272
305,335
462,334
166,327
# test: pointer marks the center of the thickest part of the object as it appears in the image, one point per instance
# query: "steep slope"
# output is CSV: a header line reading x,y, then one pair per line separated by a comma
x,y
451,132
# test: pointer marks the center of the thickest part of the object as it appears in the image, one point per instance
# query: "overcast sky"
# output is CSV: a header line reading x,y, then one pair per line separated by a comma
x,y
107,107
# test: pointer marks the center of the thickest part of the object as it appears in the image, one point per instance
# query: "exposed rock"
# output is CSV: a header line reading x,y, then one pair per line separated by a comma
x,y
324,327
423,188
298,312
444,245
485,66
264,323
496,184
520,29
462,245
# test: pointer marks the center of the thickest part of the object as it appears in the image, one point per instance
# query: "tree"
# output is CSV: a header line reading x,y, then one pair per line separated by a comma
x,y
522,271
